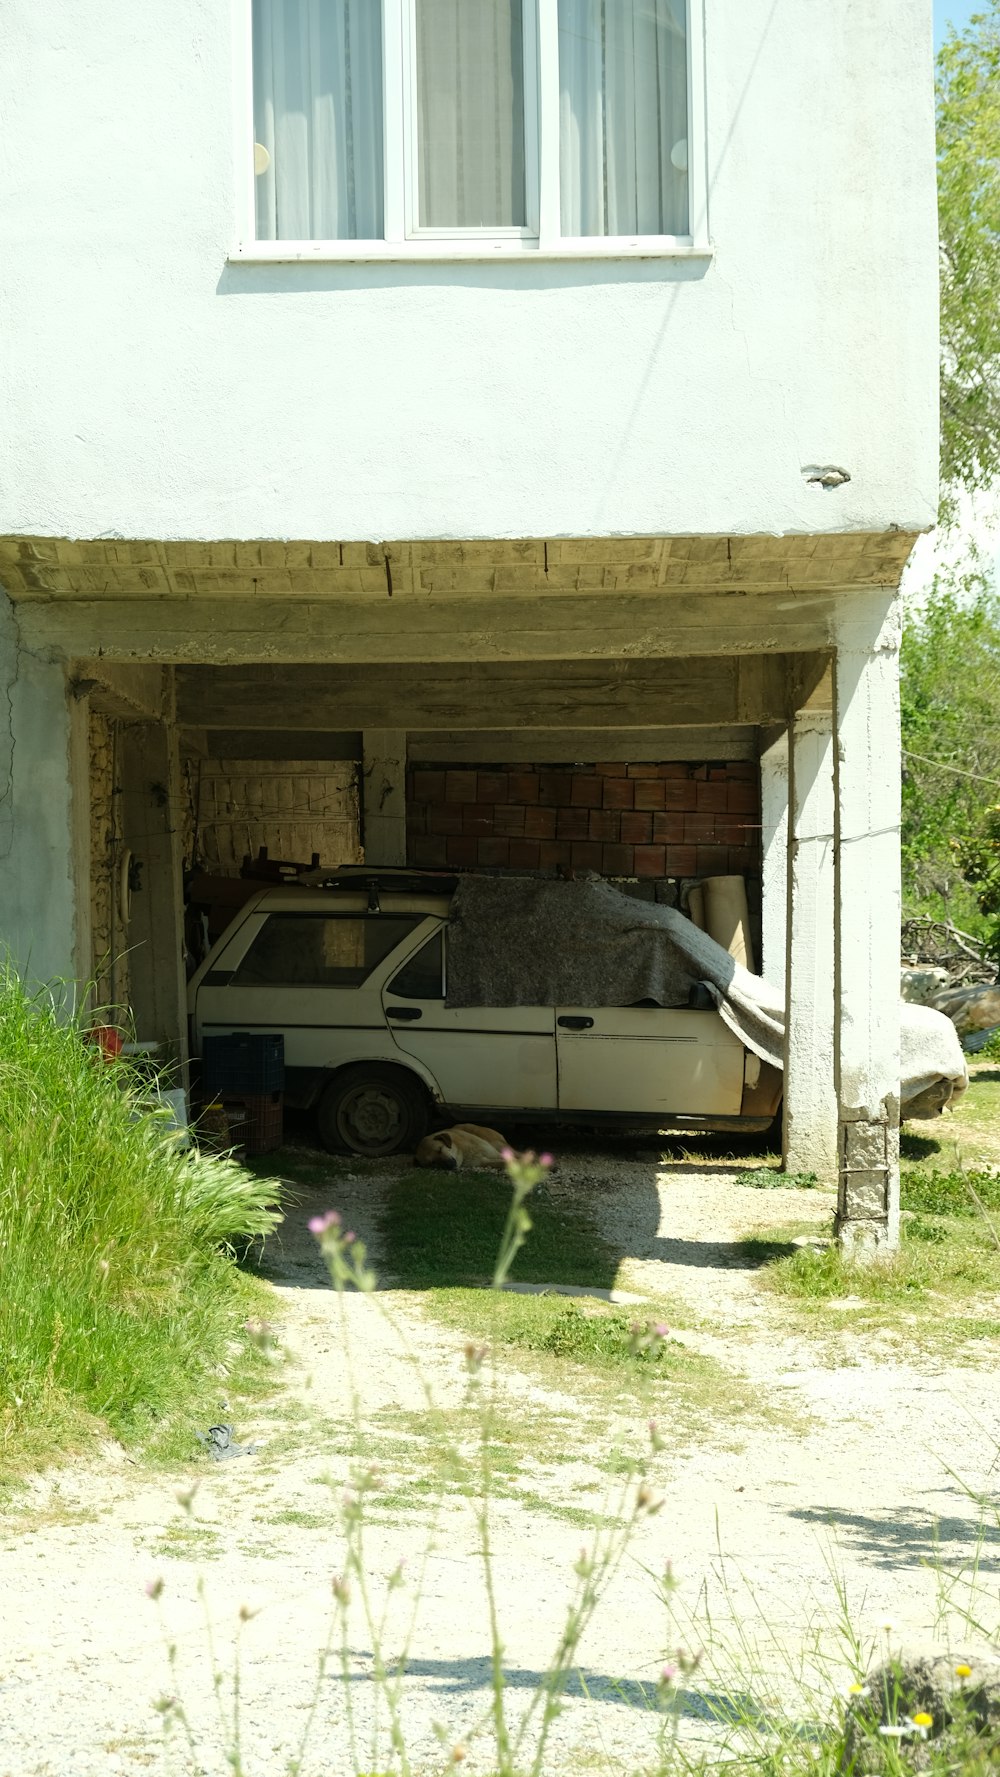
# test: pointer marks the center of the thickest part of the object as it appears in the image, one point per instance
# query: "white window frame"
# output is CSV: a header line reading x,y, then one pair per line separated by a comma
x,y
403,238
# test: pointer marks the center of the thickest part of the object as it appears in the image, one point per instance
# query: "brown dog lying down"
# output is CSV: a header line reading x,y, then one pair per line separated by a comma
x,y
466,1144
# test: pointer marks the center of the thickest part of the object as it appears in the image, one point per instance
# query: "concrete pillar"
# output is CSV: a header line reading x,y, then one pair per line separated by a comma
x,y
384,795
44,814
810,1105
154,933
774,825
866,921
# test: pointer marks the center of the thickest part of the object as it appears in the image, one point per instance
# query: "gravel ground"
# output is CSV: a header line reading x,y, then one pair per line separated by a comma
x,y
854,1486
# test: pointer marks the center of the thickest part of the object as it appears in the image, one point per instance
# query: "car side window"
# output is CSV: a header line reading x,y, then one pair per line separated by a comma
x,y
320,949
422,977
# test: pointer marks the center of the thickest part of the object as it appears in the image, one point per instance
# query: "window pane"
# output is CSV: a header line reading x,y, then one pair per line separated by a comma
x,y
470,114
317,90
320,950
623,117
422,978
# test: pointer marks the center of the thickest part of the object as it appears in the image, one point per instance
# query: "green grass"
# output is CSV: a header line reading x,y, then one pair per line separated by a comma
x,y
441,1229
122,1308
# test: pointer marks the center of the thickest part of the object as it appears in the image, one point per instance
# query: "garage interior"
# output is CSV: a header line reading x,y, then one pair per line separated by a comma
x,y
657,710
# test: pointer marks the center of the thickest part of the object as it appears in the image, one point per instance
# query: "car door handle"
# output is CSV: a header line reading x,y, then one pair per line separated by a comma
x,y
577,1023
405,1014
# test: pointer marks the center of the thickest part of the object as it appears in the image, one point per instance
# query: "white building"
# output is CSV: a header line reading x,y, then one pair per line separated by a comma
x,y
538,379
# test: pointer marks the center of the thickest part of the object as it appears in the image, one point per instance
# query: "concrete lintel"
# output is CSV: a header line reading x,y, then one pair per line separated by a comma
x,y
580,746
434,628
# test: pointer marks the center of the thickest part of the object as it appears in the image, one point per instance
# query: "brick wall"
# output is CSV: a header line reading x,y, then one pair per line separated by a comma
x,y
620,820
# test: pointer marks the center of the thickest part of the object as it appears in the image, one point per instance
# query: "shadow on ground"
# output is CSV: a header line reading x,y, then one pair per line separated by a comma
x,y
910,1534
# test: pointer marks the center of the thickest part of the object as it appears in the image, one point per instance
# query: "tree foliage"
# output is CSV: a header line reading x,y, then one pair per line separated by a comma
x,y
968,133
950,696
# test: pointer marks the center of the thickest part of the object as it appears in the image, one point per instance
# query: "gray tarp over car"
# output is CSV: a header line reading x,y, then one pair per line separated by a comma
x,y
519,942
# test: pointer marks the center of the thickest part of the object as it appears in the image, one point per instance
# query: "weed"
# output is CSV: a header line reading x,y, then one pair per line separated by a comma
x,y
770,1178
120,1306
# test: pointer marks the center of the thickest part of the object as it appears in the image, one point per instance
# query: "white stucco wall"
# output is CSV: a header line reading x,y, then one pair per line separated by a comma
x,y
152,389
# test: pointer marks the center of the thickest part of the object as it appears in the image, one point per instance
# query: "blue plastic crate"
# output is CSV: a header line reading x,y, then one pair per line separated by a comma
x,y
243,1063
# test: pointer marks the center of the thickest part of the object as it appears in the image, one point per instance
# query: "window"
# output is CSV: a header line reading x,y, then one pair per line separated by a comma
x,y
435,127
320,950
422,978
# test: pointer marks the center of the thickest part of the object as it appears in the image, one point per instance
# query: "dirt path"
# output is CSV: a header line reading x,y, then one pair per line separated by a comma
x,y
854,1475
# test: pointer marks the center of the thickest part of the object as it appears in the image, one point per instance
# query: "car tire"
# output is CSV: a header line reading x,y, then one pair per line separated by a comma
x,y
373,1110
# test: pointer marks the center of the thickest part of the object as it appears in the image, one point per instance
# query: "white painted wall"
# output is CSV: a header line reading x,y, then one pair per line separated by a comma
x,y
153,389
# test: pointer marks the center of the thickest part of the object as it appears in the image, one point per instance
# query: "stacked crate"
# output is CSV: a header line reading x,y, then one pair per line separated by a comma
x,y
246,1073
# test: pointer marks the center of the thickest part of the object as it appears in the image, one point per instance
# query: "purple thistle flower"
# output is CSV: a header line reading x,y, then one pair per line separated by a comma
x,y
320,1225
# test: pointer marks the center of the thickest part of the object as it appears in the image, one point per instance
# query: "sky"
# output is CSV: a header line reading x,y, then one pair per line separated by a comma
x,y
953,12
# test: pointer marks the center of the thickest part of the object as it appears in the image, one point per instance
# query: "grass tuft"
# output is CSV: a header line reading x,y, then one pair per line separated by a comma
x,y
121,1304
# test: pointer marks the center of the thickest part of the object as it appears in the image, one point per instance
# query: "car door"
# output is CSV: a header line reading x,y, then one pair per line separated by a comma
x,y
486,1057
649,1060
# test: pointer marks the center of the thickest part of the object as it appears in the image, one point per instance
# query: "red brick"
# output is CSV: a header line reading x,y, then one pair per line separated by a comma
x,y
712,798
674,769
427,852
668,829
700,773
718,774
586,854
524,854
713,860
522,786
605,824
637,829
680,860
493,851
447,818
743,799
428,786
731,832
462,851
460,786
508,821
588,791
539,823
741,858
614,768
644,771
699,829
552,852
416,817
619,792
477,817
650,860
555,788
678,794
492,786
649,792
572,823
743,768
619,860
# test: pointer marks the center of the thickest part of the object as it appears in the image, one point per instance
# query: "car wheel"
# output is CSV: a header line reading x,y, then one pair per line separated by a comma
x,y
372,1111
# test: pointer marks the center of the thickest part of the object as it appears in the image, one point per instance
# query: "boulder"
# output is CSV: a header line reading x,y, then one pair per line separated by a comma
x,y
884,1731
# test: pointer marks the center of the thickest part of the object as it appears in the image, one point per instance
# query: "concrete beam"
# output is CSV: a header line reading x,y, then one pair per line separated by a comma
x,y
271,743
615,694
383,796
433,629
580,746
121,688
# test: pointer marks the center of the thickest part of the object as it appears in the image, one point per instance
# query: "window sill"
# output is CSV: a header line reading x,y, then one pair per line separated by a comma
x,y
603,247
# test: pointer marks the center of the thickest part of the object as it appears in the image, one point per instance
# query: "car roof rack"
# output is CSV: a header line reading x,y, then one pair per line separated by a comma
x,y
360,876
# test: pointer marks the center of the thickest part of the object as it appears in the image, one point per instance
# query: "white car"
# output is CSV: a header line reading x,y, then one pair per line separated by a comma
x,y
353,976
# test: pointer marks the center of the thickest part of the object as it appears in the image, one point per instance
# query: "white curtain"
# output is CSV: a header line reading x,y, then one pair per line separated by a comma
x,y
318,112
623,117
470,114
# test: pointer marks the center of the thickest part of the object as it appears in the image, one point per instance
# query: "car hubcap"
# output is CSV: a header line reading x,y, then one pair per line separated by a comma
x,y
372,1118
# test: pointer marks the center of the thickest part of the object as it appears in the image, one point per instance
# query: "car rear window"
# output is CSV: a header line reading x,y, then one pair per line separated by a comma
x,y
320,949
